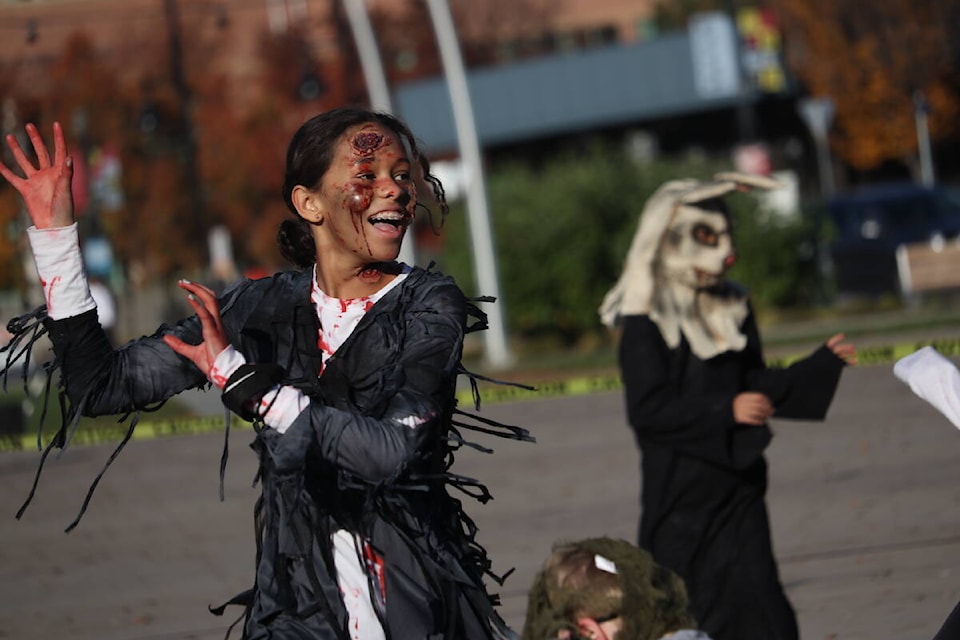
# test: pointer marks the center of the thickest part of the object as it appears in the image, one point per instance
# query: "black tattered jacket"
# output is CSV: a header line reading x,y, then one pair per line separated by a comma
x,y
347,462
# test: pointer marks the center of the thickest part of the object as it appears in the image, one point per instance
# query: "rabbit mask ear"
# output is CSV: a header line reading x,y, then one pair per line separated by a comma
x,y
727,182
748,180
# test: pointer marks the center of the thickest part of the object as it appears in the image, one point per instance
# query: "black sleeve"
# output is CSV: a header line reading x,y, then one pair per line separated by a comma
x,y
99,380
801,391
663,414
951,626
377,449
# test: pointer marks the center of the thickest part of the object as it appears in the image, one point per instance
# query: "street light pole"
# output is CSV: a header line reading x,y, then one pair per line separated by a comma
x,y
817,113
370,61
485,264
921,108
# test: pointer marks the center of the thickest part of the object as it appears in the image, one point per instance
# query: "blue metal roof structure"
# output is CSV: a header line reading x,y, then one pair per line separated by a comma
x,y
569,93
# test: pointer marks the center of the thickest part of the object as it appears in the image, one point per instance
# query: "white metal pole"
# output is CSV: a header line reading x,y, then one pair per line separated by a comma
x,y
485,264
817,113
370,60
376,80
923,139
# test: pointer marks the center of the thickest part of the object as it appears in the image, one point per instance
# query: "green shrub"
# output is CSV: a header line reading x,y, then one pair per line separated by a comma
x,y
562,230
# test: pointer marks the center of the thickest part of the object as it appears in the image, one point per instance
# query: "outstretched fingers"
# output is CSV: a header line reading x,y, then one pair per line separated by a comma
x,y
204,302
8,175
39,147
25,165
843,350
59,145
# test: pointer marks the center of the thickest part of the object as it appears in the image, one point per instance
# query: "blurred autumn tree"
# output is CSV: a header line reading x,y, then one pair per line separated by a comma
x,y
196,152
871,58
242,150
80,92
408,45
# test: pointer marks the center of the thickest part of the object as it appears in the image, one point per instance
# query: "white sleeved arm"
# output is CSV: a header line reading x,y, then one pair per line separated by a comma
x,y
56,253
934,378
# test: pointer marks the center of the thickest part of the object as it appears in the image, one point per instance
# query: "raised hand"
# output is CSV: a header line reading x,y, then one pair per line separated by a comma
x,y
843,350
204,303
45,189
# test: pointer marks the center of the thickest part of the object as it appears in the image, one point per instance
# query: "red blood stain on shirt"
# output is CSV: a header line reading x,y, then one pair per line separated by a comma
x,y
376,568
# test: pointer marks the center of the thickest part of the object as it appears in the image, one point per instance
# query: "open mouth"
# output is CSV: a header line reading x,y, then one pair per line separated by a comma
x,y
392,219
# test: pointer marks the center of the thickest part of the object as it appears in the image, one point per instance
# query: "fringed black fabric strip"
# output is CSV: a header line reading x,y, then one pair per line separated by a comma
x,y
500,429
474,392
226,451
96,481
479,318
477,376
27,329
233,625
456,441
244,599
473,379
36,478
46,403
470,486
58,441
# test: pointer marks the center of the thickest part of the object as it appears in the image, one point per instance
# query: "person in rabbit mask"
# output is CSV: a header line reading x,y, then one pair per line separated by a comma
x,y
699,397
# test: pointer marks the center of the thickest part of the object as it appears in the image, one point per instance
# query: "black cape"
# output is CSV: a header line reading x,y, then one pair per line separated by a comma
x,y
704,476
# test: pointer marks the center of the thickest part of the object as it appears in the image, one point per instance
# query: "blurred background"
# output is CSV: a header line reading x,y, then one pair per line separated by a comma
x,y
179,111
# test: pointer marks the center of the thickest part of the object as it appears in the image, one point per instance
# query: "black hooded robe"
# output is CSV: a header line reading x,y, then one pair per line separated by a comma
x,y
704,476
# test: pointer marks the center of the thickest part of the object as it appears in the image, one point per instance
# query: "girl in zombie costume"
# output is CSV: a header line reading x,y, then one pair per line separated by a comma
x,y
698,398
347,368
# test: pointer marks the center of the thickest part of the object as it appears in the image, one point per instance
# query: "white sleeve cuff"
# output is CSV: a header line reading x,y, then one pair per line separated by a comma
x,y
934,378
56,253
280,406
225,365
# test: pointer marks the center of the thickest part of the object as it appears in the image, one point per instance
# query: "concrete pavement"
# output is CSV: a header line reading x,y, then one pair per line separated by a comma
x,y
865,510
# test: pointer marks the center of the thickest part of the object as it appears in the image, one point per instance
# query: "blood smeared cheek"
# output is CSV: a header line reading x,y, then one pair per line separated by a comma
x,y
357,199
357,196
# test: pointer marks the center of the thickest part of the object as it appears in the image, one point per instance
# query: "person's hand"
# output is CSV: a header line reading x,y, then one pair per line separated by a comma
x,y
45,189
204,303
751,407
843,350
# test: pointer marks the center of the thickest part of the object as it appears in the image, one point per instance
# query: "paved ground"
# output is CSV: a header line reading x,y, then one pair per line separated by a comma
x,y
865,510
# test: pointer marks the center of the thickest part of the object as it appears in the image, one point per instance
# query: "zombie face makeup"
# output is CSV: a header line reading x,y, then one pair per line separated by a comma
x,y
368,195
697,249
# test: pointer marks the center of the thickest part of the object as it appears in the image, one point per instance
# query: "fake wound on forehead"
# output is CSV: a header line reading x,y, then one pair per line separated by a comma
x,y
368,141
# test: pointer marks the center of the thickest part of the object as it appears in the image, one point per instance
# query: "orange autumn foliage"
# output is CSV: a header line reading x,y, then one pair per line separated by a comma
x,y
871,58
